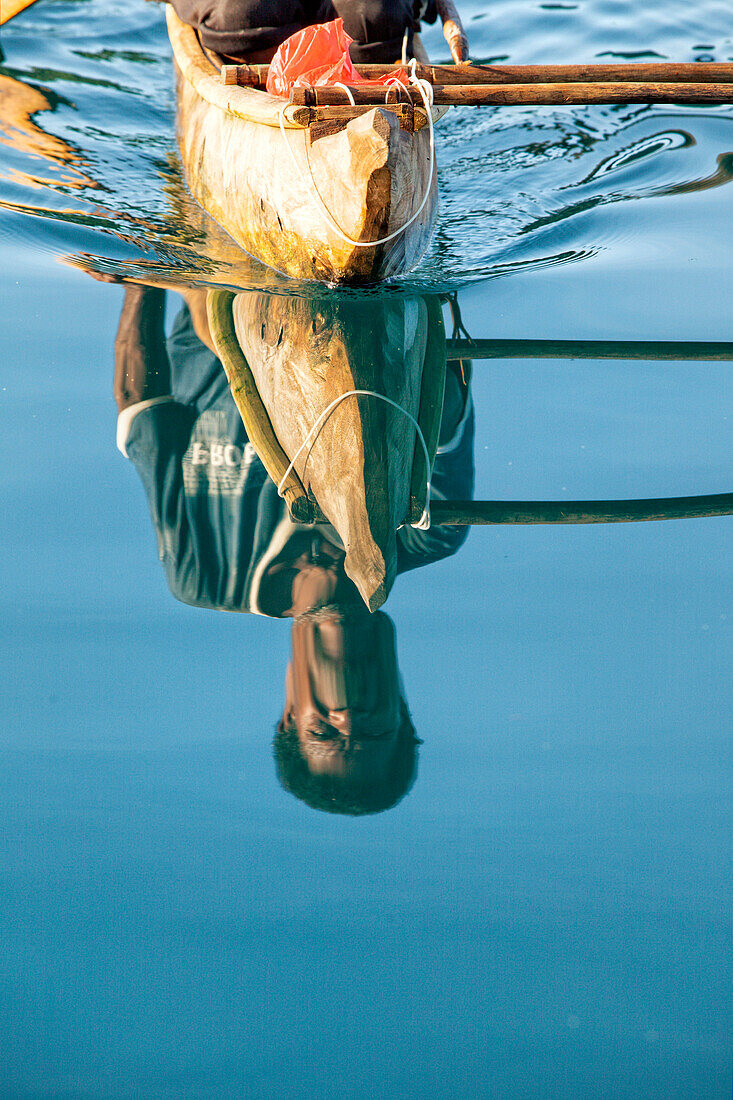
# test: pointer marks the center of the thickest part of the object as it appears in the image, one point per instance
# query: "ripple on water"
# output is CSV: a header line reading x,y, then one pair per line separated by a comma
x,y
90,165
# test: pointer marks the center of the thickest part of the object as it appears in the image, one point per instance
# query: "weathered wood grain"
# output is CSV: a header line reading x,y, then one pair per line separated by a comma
x,y
509,95
367,179
249,403
303,353
691,72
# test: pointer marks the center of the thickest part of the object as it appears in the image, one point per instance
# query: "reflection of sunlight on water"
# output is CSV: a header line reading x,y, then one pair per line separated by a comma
x,y
84,119
19,104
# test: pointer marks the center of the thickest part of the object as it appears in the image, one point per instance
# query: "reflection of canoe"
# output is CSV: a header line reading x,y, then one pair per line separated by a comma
x,y
365,174
362,468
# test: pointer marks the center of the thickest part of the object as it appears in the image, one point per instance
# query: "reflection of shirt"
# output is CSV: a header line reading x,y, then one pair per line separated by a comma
x,y
451,479
202,477
216,513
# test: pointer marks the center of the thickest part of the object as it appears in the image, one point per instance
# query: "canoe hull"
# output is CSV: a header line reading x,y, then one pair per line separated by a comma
x,y
297,203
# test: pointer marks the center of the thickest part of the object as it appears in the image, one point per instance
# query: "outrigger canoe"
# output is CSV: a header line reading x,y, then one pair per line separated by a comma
x,y
343,190
297,187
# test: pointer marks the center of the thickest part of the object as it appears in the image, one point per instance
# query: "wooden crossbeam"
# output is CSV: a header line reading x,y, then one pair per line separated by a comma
x,y
662,350
530,95
690,72
657,73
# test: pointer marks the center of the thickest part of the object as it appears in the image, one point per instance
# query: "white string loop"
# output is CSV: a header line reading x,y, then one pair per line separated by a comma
x,y
423,524
393,84
425,89
348,91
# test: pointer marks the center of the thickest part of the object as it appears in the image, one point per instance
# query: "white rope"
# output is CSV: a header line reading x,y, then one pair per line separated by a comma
x,y
425,89
346,89
423,524
393,84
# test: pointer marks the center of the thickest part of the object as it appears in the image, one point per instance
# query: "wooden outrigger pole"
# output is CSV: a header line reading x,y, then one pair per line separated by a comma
x,y
466,84
556,93
469,85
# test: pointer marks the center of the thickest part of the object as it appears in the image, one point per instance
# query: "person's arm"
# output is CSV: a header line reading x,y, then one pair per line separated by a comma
x,y
142,368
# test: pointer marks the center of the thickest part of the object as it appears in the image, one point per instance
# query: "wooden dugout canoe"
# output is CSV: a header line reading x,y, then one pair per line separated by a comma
x,y
358,175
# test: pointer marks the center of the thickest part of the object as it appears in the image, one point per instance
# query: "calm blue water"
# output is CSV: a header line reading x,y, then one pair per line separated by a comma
x,y
547,912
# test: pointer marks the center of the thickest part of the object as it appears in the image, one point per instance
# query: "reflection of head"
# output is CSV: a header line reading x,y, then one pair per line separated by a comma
x,y
345,743
358,791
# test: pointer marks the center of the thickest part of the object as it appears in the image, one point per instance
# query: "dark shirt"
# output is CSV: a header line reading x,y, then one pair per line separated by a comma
x,y
239,27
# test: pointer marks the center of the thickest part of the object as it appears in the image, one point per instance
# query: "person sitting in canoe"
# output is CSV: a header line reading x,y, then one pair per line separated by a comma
x,y
253,29
345,742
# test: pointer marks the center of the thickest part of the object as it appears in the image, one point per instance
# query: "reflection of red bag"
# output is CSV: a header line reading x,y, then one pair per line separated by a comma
x,y
317,56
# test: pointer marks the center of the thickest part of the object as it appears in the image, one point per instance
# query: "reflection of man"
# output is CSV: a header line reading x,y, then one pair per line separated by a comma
x,y
345,742
226,541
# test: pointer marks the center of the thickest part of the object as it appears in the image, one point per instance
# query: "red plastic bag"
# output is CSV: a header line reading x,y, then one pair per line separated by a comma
x,y
317,56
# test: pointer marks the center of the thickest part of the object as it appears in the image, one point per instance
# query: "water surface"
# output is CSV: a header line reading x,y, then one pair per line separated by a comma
x,y
546,912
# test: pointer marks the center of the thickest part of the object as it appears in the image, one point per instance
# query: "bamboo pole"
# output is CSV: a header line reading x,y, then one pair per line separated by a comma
x,y
691,72
249,403
669,72
486,512
662,350
529,95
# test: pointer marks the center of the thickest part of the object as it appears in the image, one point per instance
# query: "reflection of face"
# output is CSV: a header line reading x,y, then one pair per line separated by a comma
x,y
342,693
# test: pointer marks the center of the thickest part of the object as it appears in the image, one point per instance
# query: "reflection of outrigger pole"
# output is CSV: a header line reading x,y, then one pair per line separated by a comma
x,y
304,509
487,512
685,351
463,346
475,512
